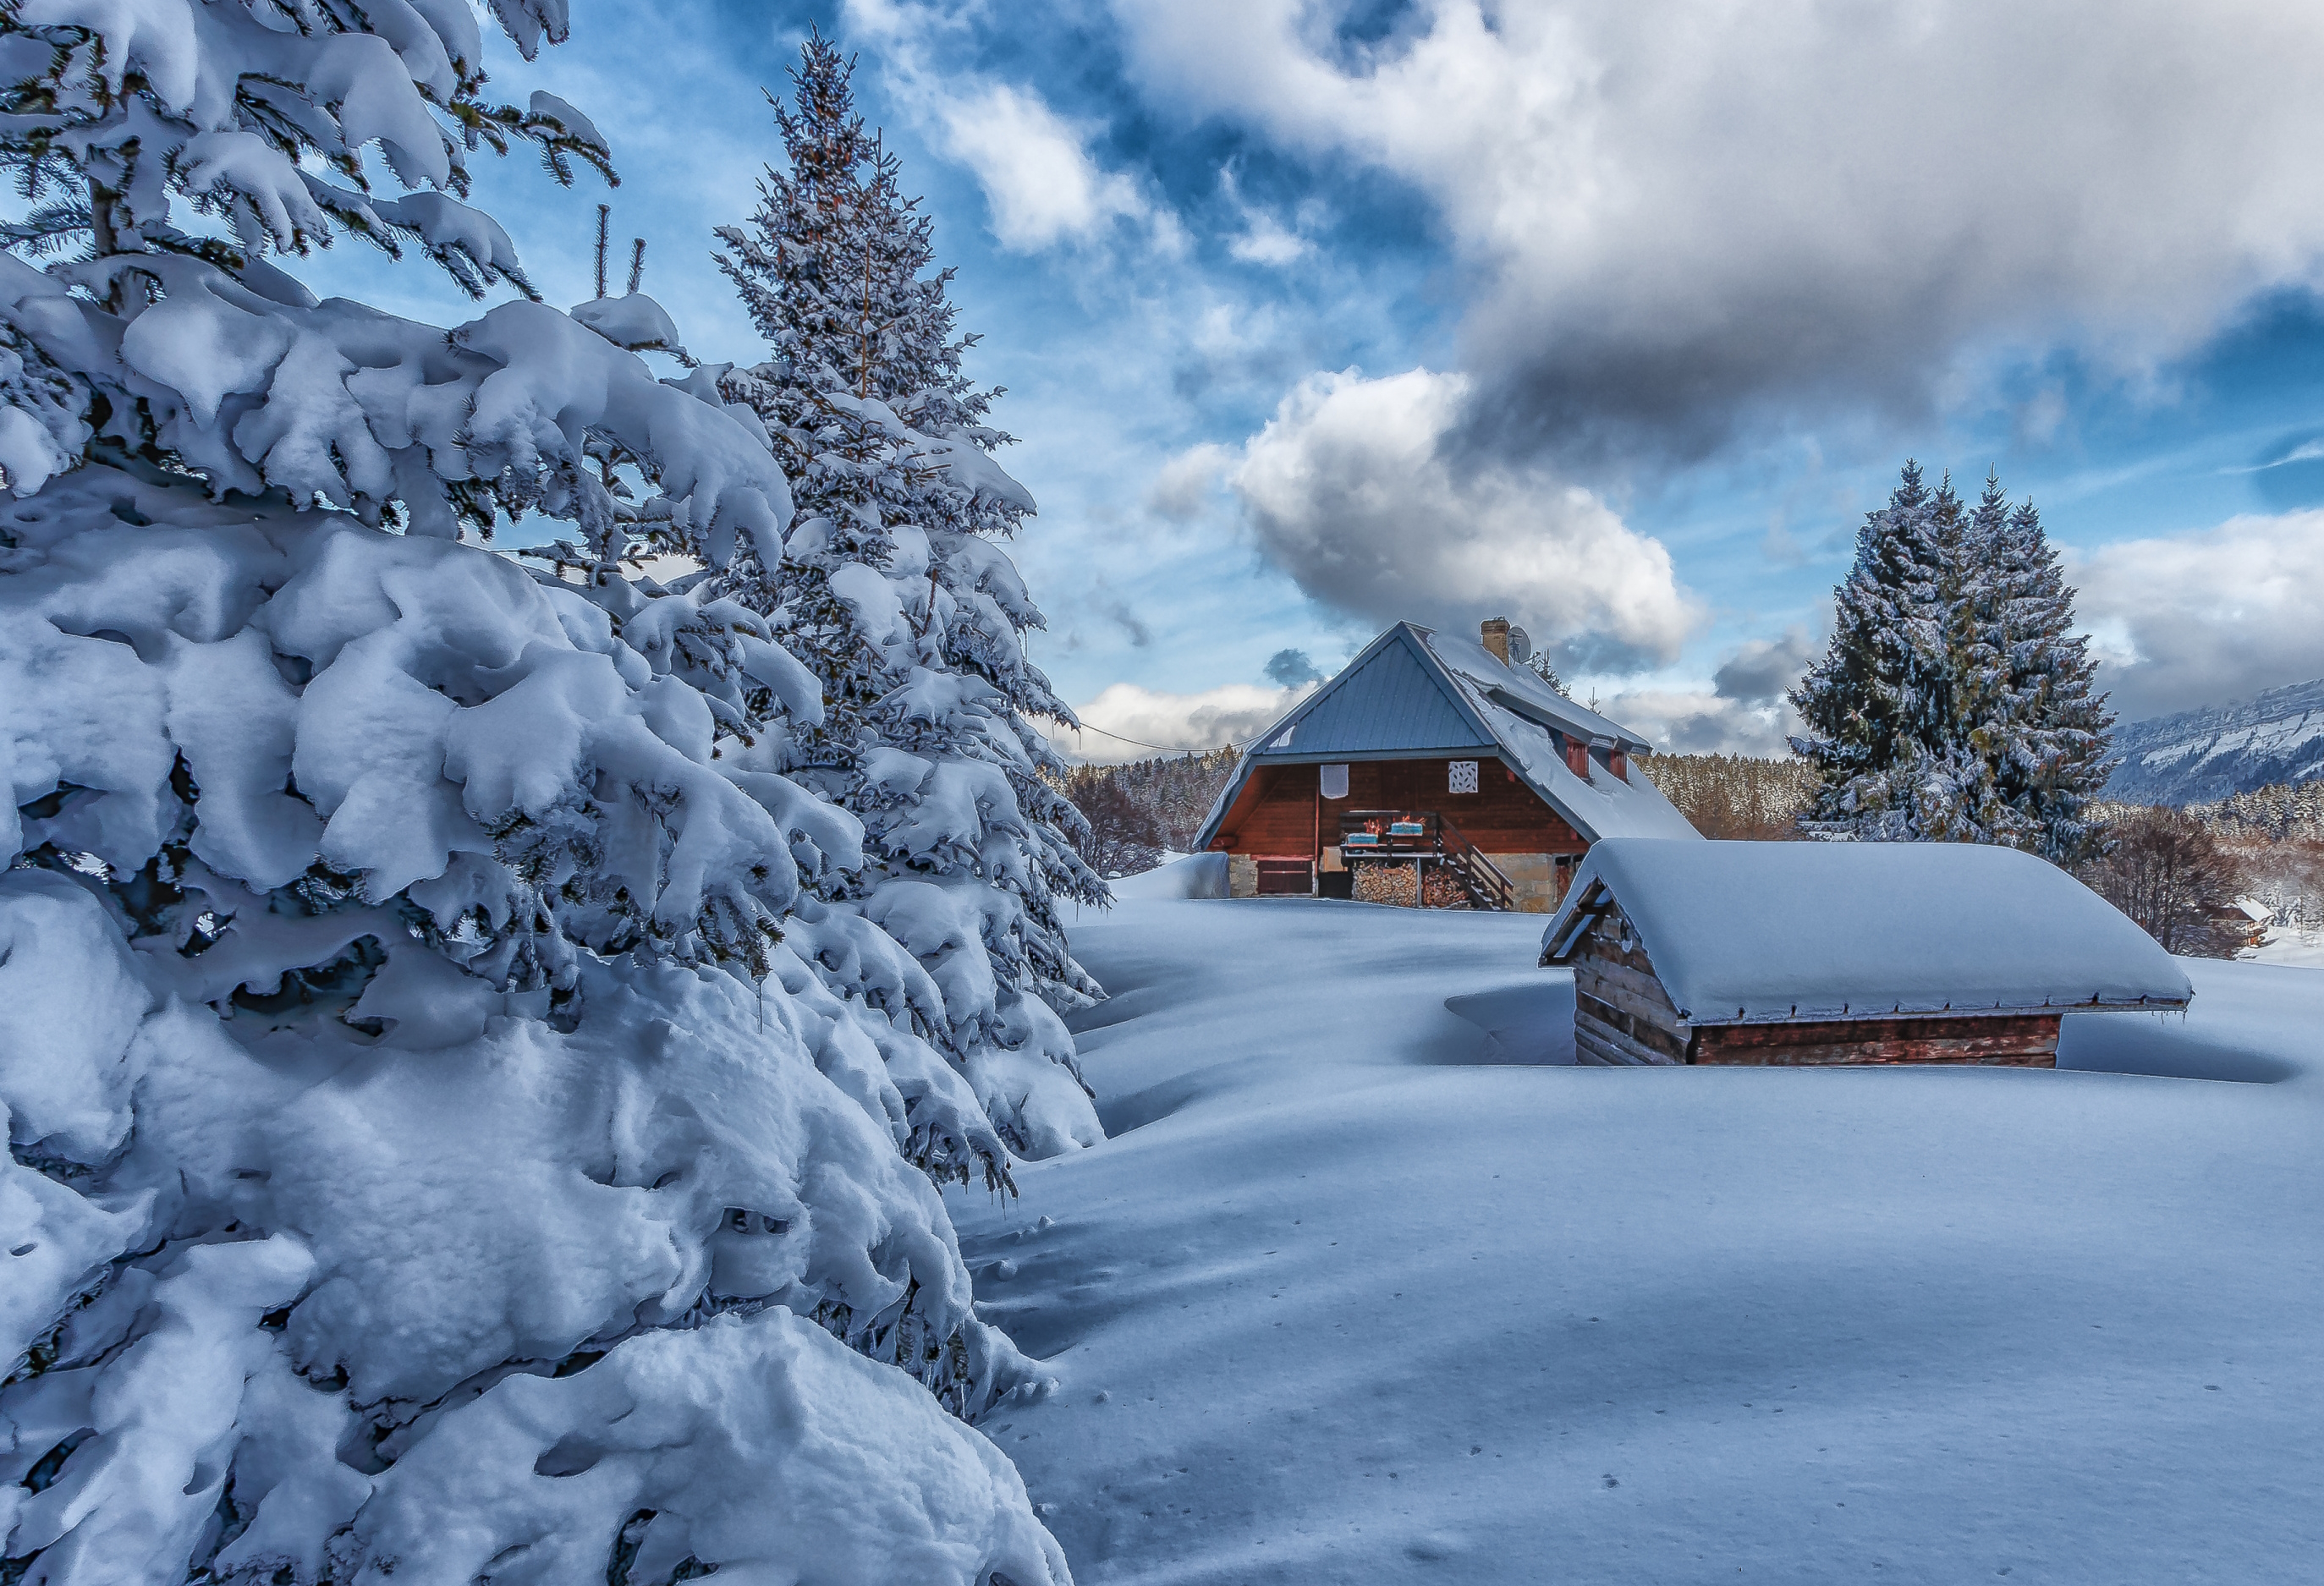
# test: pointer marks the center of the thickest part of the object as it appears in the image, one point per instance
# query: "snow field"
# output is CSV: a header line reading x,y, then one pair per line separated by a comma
x,y
1336,1304
2300,949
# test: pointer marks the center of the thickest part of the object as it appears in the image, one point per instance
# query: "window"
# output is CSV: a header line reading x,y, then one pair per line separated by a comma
x,y
1464,776
1335,782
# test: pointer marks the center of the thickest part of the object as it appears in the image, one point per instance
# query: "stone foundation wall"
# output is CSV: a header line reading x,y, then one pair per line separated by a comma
x,y
1535,879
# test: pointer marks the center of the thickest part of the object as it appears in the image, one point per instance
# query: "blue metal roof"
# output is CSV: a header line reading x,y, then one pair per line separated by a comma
x,y
1389,700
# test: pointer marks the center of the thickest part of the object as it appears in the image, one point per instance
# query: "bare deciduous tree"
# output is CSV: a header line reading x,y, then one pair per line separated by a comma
x,y
2166,869
1124,836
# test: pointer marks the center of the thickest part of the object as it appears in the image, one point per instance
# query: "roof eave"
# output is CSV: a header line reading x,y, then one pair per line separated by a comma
x,y
1846,1016
1352,756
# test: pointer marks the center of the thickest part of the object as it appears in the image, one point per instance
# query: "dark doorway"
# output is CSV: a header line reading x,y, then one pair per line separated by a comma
x,y
1286,877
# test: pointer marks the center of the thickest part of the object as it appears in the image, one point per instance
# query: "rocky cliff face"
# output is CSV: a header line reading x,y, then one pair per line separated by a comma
x,y
2199,755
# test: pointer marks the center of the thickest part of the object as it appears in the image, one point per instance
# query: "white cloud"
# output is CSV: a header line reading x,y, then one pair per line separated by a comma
x,y
1348,490
2203,618
1679,207
1210,719
1039,180
1186,480
1691,720
1264,239
1743,712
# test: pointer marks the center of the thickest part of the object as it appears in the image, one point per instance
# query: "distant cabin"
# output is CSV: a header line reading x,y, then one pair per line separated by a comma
x,y
1429,750
1841,953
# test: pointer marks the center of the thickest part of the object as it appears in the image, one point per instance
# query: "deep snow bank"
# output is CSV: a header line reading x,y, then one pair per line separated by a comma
x,y
1190,875
1336,1304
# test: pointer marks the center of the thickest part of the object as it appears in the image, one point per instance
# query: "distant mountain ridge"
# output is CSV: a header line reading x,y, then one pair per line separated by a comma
x,y
2199,755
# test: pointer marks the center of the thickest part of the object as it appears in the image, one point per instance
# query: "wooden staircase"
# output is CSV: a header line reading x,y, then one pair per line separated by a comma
x,y
1418,836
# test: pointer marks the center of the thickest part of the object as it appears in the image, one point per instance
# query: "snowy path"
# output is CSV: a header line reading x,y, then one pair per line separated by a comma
x,y
1332,1305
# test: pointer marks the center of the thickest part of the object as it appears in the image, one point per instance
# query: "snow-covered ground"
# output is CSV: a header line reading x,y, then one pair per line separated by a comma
x,y
1339,1303
2302,949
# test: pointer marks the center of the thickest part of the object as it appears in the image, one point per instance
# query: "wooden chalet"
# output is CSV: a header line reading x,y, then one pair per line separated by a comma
x,y
1841,953
1433,751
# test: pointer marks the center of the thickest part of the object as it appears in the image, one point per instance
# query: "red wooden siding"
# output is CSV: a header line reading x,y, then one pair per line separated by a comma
x,y
1276,813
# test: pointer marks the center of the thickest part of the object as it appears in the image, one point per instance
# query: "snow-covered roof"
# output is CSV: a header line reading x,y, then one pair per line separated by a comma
x,y
1413,692
1757,932
1484,677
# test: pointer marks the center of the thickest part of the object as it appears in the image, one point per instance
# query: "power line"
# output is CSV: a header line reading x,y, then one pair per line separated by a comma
x,y
1164,748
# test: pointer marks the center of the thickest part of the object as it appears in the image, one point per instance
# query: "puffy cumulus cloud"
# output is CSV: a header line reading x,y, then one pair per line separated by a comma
x,y
1128,722
1264,239
1349,489
1743,712
2179,621
1684,210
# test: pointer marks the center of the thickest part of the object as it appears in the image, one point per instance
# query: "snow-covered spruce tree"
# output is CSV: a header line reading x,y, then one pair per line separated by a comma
x,y
412,1171
1878,706
890,586
1955,703
2038,724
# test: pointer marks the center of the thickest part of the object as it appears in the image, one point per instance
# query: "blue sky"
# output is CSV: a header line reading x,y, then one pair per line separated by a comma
x,y
1613,319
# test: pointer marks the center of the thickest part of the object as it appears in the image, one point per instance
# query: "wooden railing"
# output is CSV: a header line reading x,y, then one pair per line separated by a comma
x,y
1481,878
1420,835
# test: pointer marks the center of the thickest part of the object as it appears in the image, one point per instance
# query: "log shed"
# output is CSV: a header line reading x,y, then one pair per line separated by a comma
x,y
1814,955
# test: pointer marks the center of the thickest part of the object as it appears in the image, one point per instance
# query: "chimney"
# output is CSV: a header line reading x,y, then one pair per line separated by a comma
x,y
1494,633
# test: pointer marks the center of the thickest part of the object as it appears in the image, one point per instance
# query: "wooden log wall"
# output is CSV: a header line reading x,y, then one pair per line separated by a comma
x,y
1622,1015
2010,1040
